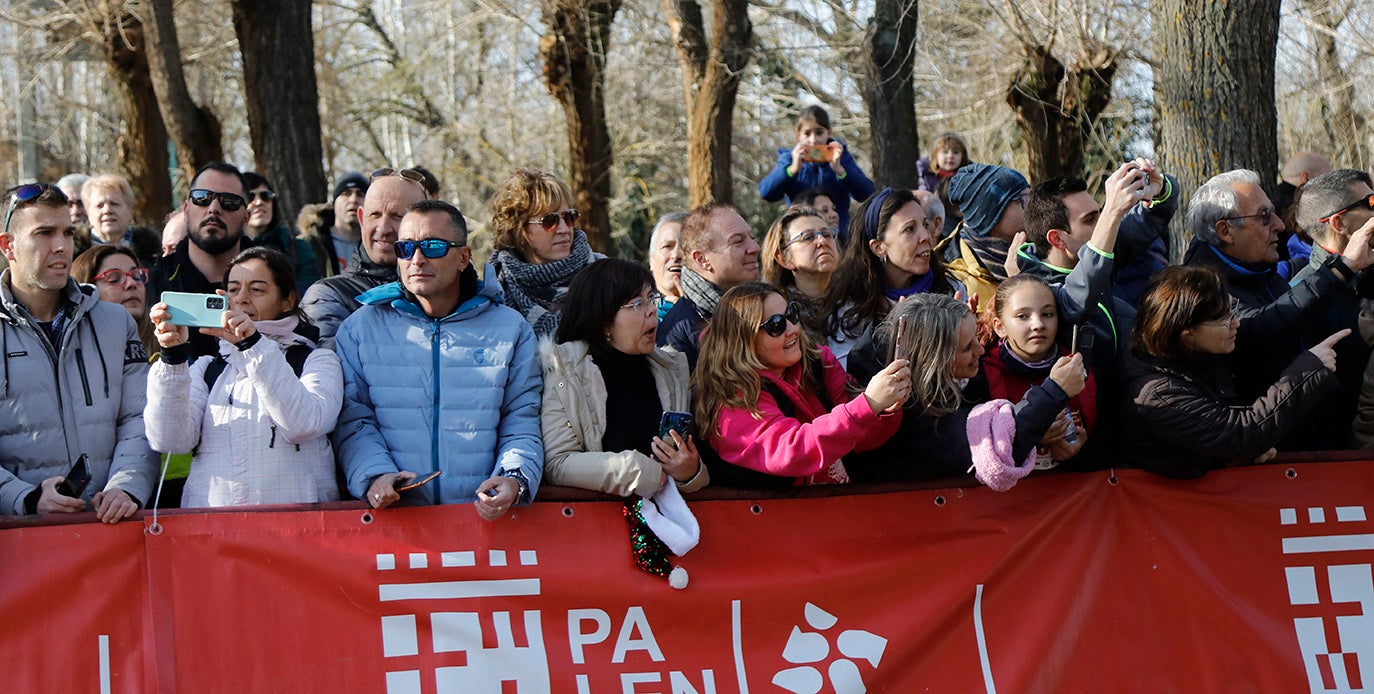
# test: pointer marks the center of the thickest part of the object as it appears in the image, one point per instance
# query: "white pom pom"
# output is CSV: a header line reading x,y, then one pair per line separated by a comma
x,y
678,578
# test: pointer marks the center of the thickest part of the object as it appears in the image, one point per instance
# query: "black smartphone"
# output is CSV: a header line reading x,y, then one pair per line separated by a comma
x,y
681,422
418,481
74,483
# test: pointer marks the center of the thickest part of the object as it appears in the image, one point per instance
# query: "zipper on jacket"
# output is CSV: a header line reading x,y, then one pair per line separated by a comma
x,y
272,443
434,428
85,383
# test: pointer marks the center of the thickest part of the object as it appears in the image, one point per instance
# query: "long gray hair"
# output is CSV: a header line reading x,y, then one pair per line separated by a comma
x,y
932,342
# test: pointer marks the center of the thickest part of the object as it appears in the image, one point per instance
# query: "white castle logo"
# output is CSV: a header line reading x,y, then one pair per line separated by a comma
x,y
1332,600
460,662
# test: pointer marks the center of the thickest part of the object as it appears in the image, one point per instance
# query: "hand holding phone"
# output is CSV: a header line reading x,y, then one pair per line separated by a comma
x,y
681,422
416,482
899,345
195,310
75,481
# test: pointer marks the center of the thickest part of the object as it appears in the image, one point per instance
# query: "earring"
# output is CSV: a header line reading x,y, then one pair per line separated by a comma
x,y
883,258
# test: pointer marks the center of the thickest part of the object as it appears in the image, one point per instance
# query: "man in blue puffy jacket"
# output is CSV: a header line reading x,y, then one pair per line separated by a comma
x,y
439,376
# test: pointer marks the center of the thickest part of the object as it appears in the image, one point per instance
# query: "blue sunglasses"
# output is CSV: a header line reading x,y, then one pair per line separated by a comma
x,y
431,248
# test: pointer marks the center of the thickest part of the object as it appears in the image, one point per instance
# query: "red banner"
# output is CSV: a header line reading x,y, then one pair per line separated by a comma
x,y
1248,580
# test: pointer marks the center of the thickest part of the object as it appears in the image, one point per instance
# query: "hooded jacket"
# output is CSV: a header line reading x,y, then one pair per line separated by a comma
x,y
459,394
83,398
329,301
314,224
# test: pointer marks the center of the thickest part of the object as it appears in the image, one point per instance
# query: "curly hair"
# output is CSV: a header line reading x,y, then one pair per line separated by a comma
x,y
525,195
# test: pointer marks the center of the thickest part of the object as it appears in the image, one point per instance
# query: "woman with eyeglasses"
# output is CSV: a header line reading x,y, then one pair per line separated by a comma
x,y
606,388
1184,415
800,253
778,410
266,228
538,246
891,257
259,413
117,277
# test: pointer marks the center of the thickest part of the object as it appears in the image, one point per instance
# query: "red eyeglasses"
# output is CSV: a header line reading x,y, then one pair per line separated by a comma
x,y
115,276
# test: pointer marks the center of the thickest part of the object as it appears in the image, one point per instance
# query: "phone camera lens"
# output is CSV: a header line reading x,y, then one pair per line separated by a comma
x,y
215,302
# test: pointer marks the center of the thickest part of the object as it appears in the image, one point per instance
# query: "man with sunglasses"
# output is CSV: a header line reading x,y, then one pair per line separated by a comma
x,y
719,253
1332,209
389,194
73,372
216,212
439,375
1236,232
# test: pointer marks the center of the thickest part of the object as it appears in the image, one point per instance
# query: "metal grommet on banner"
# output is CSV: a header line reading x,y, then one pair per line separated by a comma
x,y
367,518
755,509
1112,479
939,499
567,512
154,529
1290,473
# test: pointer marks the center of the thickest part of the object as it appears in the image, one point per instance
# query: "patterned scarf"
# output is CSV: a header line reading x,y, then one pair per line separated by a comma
x,y
536,291
700,291
991,252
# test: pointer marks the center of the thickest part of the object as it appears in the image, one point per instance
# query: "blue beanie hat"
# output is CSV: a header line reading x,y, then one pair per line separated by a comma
x,y
982,191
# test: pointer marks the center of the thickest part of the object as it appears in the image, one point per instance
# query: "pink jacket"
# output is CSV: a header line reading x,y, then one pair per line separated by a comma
x,y
810,445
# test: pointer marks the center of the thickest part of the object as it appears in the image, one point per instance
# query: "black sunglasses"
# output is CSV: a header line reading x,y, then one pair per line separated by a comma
x,y
550,220
23,195
231,202
407,174
431,248
777,323
1365,202
263,195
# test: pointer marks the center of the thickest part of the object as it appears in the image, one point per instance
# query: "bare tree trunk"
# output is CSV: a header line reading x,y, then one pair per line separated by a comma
x,y
1343,124
1216,89
278,49
195,130
711,70
889,52
1056,108
574,53
143,145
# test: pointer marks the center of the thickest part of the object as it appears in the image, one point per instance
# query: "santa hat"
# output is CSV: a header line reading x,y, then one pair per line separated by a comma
x,y
659,525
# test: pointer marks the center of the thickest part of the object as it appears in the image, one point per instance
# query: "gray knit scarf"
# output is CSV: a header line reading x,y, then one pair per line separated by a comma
x,y
700,291
536,291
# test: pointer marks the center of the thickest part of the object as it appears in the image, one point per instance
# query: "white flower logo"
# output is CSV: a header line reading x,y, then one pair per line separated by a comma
x,y
809,649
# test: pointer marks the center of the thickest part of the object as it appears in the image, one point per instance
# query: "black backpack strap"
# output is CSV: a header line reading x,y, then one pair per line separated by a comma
x,y
295,356
212,372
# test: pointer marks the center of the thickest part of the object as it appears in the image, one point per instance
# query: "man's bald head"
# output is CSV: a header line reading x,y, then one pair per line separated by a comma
x,y
1303,167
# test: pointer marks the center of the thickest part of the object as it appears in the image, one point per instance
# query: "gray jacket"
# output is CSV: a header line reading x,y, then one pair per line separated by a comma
x,y
85,398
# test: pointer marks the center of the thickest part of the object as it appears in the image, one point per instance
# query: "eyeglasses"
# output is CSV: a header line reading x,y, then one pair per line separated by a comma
x,y
115,276
1263,215
1225,321
23,195
1365,203
431,248
648,305
407,174
777,323
550,220
231,202
810,236
263,195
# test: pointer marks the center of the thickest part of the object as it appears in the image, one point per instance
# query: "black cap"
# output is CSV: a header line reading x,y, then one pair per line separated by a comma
x,y
352,179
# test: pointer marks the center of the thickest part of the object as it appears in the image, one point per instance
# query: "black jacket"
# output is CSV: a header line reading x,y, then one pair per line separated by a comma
x,y
1185,418
329,301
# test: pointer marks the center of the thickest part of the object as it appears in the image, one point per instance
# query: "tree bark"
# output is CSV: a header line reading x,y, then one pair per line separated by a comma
x,y
574,54
1343,124
1215,80
195,130
711,70
143,145
278,49
1055,107
889,58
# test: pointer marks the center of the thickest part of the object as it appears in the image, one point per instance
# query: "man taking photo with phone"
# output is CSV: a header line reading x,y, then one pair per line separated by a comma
x,y
72,376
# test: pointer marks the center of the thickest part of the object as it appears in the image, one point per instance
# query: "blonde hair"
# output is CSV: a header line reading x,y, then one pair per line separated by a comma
x,y
932,339
108,183
727,373
773,271
525,195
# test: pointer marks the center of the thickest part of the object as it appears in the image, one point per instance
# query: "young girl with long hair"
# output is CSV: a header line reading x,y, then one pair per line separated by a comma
x,y
817,160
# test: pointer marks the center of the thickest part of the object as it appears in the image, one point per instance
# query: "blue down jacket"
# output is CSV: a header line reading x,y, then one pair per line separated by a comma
x,y
459,394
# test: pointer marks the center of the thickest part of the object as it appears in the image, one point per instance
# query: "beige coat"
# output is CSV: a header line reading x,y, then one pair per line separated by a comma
x,y
573,422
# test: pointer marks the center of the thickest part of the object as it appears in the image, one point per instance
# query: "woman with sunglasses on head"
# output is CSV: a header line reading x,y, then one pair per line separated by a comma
x,y
777,408
538,246
800,253
116,275
951,424
258,415
891,257
266,228
606,388
1183,412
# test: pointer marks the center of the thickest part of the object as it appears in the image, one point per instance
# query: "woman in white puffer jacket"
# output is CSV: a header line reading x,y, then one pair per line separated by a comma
x,y
261,432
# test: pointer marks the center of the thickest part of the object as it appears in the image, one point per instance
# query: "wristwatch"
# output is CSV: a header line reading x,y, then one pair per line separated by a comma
x,y
524,495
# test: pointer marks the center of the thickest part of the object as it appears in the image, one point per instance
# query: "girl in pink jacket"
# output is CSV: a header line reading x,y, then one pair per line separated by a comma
x,y
770,402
